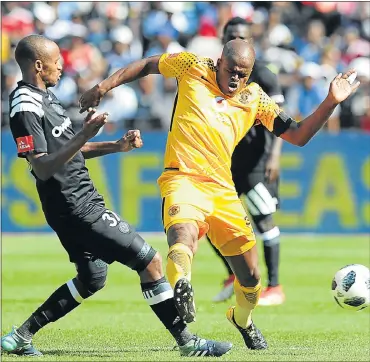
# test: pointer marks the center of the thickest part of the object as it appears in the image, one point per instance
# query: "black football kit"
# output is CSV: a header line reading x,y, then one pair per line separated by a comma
x,y
71,204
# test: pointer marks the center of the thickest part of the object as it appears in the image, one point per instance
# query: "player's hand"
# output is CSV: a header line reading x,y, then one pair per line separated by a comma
x,y
93,124
132,139
272,169
91,98
341,87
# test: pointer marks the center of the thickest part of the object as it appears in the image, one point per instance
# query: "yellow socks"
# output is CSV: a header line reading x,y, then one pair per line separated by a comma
x,y
246,301
179,261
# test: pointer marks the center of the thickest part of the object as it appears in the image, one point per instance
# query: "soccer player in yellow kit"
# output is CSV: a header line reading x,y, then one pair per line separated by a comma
x,y
213,110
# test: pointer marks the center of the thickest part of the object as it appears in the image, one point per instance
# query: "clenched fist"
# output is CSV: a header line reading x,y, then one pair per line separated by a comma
x,y
132,139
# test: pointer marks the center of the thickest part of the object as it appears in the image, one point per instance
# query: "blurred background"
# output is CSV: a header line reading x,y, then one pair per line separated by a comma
x,y
325,186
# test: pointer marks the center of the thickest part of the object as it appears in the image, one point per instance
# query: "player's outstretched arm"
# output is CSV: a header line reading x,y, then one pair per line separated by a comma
x,y
45,165
133,71
340,89
131,140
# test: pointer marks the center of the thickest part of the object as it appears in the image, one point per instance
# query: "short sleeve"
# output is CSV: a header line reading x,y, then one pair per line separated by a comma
x,y
28,133
267,110
176,65
271,116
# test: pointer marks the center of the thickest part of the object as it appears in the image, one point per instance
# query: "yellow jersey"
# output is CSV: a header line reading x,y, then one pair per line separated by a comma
x,y
207,125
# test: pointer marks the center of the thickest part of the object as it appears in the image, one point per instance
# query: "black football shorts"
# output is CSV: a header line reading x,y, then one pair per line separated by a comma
x,y
260,196
100,233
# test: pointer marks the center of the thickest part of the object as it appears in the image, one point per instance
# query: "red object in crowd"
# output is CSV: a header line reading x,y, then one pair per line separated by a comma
x,y
18,27
207,29
322,7
365,123
77,60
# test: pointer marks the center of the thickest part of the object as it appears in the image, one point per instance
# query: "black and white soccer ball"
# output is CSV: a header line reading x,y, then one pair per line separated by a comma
x,y
351,287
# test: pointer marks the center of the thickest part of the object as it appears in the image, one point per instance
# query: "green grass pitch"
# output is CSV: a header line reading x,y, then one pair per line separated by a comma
x,y
118,325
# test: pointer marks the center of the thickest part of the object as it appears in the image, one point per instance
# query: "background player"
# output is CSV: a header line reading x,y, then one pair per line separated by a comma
x,y
256,177
92,235
214,109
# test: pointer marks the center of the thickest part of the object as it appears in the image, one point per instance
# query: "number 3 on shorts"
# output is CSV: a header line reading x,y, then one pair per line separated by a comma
x,y
113,221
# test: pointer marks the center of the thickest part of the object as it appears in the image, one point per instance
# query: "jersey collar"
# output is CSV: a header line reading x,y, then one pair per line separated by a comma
x,y
34,88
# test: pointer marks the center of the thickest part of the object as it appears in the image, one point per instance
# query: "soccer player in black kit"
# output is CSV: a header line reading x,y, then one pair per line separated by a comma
x,y
255,169
92,235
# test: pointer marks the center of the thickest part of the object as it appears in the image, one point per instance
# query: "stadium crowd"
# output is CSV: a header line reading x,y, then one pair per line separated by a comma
x,y
305,43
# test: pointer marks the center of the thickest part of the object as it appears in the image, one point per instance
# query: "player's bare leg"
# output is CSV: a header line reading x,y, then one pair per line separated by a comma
x,y
247,289
182,240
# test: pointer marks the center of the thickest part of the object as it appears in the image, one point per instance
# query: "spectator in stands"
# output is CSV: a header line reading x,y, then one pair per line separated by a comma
x,y
356,110
98,37
304,97
313,46
206,43
121,53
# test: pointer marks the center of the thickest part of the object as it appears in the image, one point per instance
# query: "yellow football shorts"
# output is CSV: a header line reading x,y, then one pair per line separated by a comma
x,y
214,209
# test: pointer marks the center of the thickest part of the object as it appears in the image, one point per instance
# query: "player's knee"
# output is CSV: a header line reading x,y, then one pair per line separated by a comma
x,y
250,275
263,223
271,237
251,278
91,277
269,231
96,284
255,275
153,270
142,256
185,233
156,263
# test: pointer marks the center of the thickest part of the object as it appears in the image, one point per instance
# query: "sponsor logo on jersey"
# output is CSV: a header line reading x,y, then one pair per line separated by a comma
x,y
219,104
58,108
58,130
25,144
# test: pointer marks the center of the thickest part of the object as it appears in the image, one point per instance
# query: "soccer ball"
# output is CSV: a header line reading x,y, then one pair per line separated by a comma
x,y
351,287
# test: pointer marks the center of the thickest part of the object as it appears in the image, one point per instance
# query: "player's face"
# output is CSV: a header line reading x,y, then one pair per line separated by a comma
x,y
51,66
233,74
239,31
